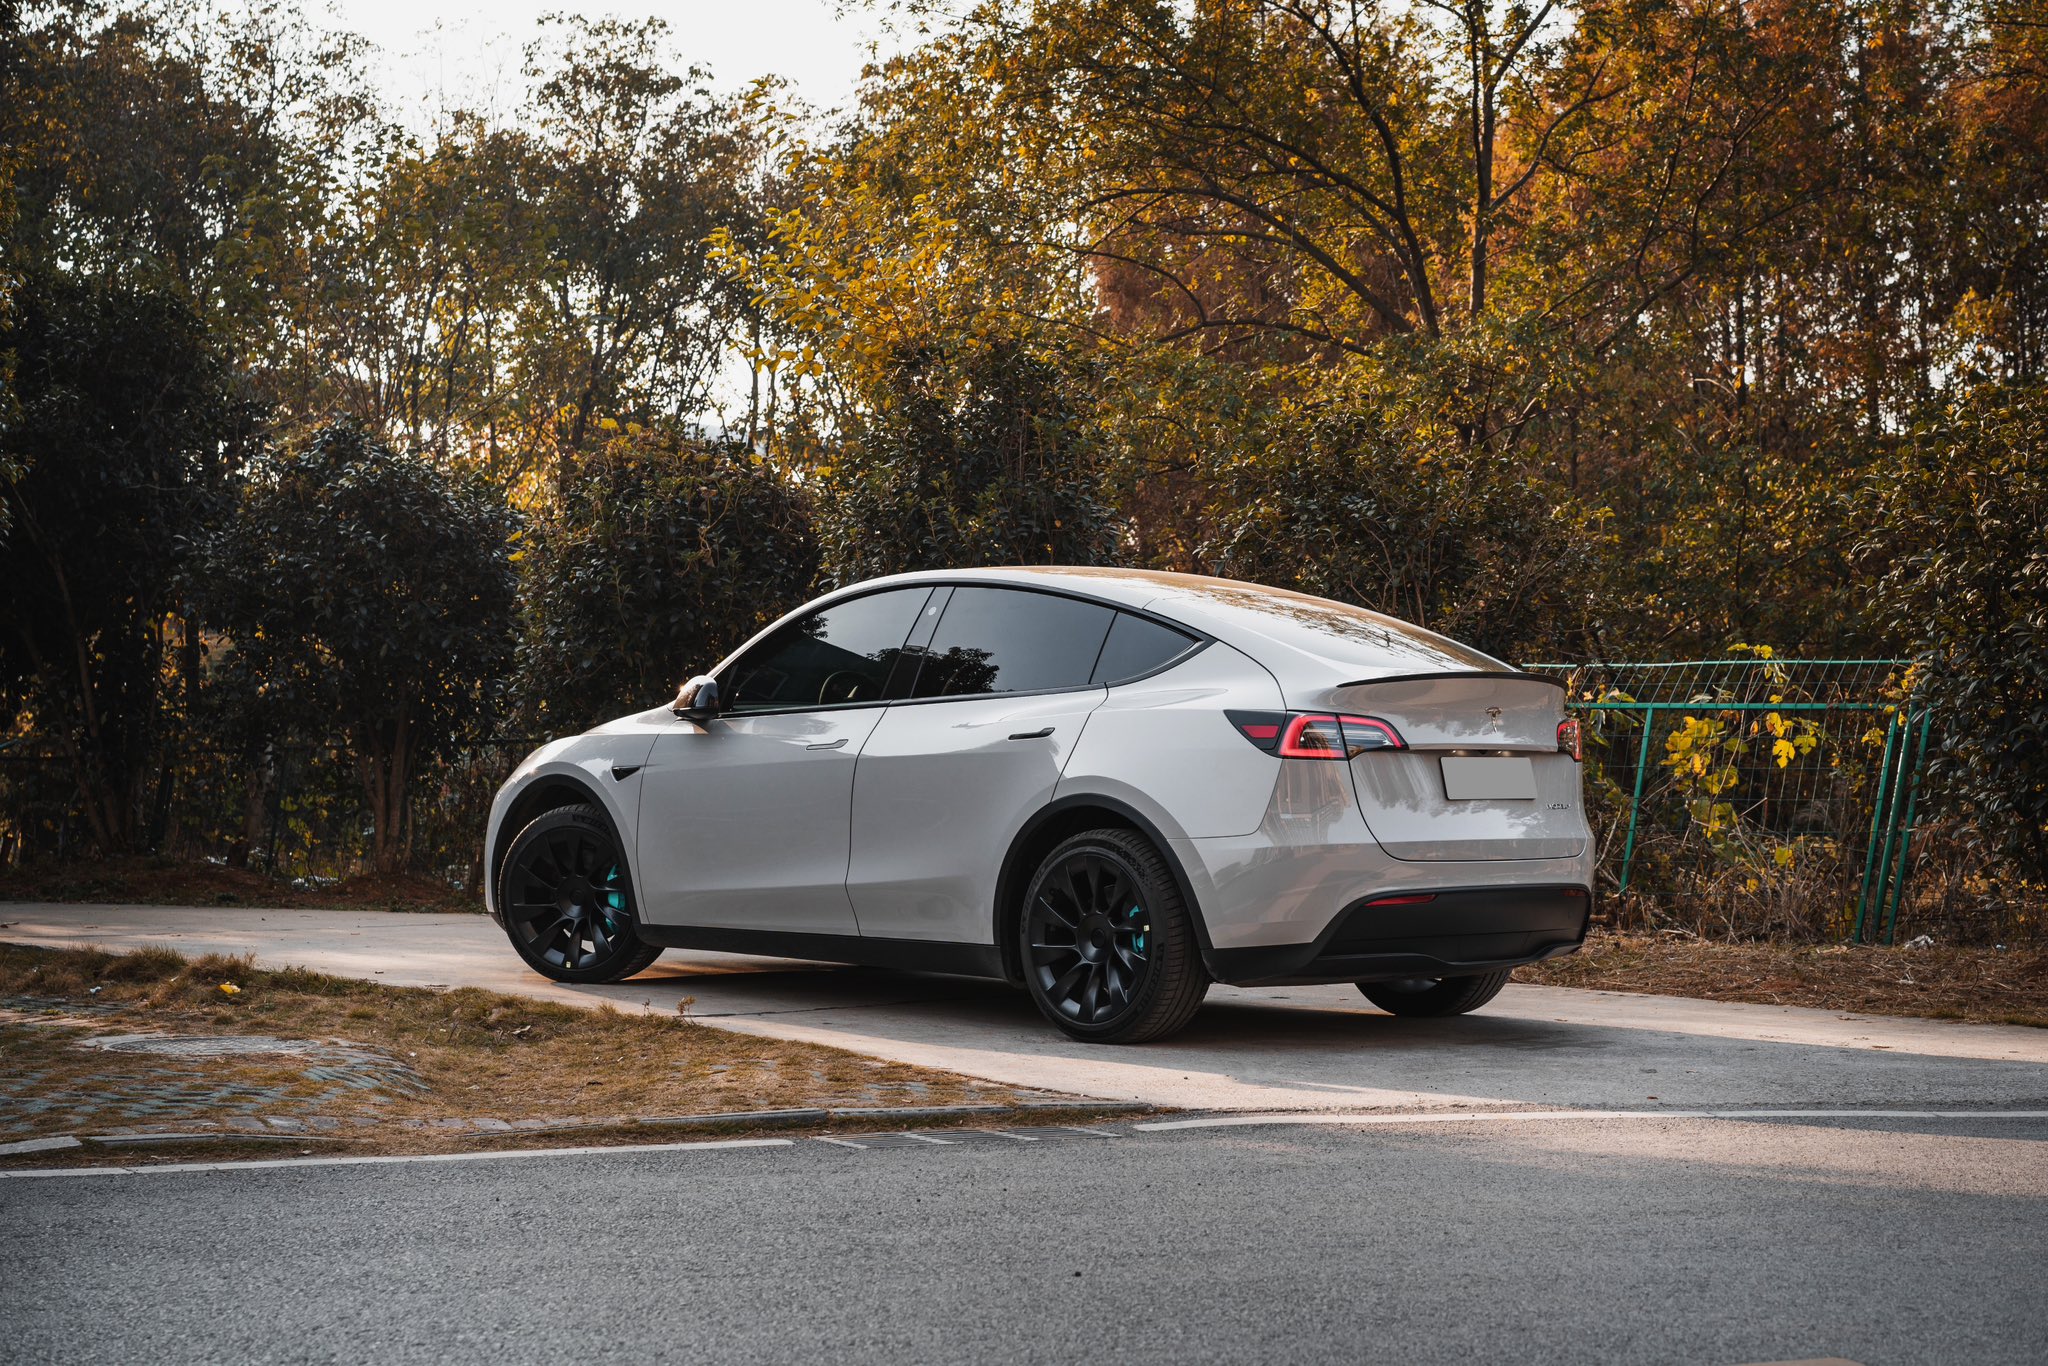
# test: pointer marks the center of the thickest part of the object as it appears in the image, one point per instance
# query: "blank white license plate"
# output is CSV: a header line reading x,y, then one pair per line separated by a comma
x,y
1482,780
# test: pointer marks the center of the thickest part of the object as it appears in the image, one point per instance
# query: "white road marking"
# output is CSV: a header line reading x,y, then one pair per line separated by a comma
x,y
1526,1116
1318,1117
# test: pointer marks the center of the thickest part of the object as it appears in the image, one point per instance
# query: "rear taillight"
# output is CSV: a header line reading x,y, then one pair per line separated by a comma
x,y
1369,732
1410,899
1570,740
1315,735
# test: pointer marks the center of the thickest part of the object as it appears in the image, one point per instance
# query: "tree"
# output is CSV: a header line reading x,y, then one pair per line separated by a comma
x,y
1965,577
1346,501
634,167
116,452
958,460
662,555
368,591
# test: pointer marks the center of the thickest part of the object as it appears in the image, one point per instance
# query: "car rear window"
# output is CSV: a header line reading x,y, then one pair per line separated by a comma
x,y
1349,637
1138,646
995,640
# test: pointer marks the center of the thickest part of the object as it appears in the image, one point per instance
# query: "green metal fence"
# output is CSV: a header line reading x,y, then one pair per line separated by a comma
x,y
1757,770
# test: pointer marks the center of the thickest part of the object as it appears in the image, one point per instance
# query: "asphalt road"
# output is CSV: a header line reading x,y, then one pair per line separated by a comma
x,y
1661,1240
1277,1048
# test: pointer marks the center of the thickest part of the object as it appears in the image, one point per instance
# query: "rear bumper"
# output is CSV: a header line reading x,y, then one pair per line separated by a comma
x,y
1458,932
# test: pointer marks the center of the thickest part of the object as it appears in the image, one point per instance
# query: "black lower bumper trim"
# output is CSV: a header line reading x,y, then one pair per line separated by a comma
x,y
1455,933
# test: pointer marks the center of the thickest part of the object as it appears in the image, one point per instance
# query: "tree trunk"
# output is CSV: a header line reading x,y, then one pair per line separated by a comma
x,y
386,776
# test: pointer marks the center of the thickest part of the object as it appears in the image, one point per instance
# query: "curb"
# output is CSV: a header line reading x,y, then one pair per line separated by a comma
x,y
297,1131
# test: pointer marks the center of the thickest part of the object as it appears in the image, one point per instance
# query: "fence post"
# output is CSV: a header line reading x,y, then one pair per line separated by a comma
x,y
1878,826
1635,802
1913,762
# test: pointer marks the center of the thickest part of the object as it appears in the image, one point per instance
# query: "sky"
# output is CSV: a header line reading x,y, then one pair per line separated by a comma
x,y
437,54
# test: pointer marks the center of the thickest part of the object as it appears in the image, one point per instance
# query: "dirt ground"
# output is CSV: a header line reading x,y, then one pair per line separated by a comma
x,y
77,1057
161,882
1997,986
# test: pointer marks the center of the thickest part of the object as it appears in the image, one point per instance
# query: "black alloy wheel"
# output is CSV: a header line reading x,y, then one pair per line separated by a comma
x,y
1108,949
567,902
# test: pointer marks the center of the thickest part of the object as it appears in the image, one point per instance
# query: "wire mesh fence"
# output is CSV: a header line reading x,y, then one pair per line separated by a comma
x,y
1742,796
1755,795
295,811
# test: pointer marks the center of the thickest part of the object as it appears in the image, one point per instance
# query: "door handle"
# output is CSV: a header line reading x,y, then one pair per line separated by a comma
x,y
1032,734
829,744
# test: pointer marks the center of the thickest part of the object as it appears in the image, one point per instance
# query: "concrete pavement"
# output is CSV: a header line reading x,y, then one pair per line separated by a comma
x,y
1671,1241
1250,1049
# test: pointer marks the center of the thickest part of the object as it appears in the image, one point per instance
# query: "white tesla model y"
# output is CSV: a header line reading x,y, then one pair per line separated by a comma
x,y
1112,787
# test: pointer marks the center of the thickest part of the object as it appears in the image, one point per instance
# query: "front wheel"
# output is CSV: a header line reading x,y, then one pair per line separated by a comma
x,y
567,902
1108,946
1435,995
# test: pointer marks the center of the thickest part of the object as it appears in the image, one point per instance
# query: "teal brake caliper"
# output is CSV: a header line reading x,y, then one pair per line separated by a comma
x,y
1138,940
614,899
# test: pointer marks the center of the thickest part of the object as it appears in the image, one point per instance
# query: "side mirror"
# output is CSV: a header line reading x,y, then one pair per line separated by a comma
x,y
697,700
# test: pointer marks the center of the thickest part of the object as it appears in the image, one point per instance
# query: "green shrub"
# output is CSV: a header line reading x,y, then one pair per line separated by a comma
x,y
662,556
1963,525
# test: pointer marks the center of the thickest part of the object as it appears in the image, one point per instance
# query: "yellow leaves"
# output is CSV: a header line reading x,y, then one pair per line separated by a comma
x,y
230,989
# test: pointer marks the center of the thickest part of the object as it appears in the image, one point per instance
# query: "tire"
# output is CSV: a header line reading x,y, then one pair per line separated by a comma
x,y
568,901
1106,941
1435,995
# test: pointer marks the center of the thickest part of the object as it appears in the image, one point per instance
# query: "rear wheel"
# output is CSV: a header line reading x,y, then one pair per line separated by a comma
x,y
1108,947
1435,995
567,902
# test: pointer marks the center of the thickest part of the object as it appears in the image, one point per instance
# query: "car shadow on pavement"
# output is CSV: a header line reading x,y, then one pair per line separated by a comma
x,y
1318,1046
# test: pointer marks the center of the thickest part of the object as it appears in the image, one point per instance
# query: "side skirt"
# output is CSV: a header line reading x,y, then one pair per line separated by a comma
x,y
906,955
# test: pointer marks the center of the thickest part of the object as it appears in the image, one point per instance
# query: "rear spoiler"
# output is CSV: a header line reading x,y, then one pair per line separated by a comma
x,y
1457,673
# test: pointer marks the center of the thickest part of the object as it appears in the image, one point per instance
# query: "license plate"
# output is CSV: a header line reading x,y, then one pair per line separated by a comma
x,y
1484,780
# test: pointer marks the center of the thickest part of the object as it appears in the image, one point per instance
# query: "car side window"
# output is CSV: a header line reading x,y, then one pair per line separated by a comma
x,y
996,640
838,656
1138,646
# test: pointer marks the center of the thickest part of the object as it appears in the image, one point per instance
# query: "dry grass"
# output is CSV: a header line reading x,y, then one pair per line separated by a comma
x,y
481,1054
1998,986
162,882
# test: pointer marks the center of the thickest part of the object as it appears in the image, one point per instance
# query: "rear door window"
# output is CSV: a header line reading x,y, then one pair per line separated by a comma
x,y
997,640
1138,646
839,656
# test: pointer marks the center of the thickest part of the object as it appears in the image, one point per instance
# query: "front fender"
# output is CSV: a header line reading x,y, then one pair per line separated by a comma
x,y
601,767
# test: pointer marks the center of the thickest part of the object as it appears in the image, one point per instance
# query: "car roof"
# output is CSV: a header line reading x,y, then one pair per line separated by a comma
x,y
1313,640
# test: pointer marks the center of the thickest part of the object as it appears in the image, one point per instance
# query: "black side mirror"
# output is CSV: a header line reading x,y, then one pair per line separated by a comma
x,y
697,700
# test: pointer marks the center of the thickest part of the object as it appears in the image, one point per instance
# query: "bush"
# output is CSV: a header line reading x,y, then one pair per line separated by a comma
x,y
987,457
1342,502
371,592
1961,524
661,557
